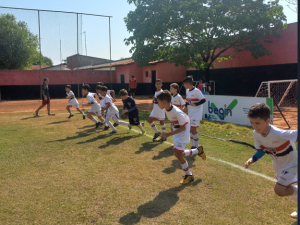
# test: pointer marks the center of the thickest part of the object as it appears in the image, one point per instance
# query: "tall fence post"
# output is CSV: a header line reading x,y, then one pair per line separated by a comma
x,y
40,46
111,87
77,56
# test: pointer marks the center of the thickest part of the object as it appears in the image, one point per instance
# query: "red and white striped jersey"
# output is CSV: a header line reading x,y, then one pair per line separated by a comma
x,y
108,100
179,119
177,100
280,145
192,96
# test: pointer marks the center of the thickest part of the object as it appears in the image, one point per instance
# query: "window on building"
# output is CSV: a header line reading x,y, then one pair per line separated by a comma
x,y
146,73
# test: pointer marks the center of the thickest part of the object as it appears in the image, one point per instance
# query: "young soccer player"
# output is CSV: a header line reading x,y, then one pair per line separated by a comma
x,y
109,92
195,100
102,104
181,134
45,98
157,113
94,105
130,108
72,102
280,145
177,99
112,111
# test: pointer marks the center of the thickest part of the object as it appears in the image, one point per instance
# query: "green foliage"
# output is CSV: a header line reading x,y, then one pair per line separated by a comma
x,y
18,46
195,33
46,61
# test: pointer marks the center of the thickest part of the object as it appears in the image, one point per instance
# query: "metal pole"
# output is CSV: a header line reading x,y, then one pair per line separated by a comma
x,y
77,57
110,55
40,54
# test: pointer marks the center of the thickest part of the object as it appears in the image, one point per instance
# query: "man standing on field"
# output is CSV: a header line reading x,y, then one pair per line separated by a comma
x,y
132,86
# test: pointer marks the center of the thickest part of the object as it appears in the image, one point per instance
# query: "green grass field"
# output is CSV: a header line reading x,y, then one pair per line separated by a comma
x,y
55,170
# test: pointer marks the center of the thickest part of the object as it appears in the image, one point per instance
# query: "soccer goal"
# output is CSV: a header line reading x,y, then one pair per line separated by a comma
x,y
284,94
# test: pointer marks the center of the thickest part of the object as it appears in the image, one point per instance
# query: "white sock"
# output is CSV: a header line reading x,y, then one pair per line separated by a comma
x,y
191,152
94,120
163,128
294,196
192,139
105,124
71,113
186,168
141,127
154,127
110,124
123,122
196,139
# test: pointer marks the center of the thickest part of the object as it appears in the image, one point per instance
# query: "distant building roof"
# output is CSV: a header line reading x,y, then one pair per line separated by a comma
x,y
37,67
121,62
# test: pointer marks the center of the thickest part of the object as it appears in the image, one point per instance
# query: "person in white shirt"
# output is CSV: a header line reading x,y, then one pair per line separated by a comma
x,y
280,145
157,113
194,103
180,133
72,102
112,111
94,105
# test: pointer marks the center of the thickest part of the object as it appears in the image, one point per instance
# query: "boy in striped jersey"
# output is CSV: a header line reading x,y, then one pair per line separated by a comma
x,y
280,145
180,133
194,103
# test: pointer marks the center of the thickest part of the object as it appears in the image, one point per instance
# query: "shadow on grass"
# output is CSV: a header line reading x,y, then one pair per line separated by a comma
x,y
295,223
88,126
161,204
118,140
164,154
80,134
176,165
147,147
59,122
32,117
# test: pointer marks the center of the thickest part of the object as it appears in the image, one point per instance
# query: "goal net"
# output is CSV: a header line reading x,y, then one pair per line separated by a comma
x,y
283,92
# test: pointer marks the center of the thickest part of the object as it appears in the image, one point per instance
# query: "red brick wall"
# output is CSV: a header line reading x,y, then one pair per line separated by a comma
x,y
31,77
284,51
128,71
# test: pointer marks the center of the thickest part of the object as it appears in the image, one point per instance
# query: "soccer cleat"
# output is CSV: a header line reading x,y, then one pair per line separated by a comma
x,y
187,179
144,133
106,128
98,124
84,116
116,124
36,115
113,132
193,147
156,135
70,116
201,152
294,215
129,126
162,140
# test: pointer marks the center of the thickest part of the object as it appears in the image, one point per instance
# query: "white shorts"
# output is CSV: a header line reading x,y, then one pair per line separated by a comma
x,y
288,176
195,123
74,104
97,113
179,146
112,115
158,114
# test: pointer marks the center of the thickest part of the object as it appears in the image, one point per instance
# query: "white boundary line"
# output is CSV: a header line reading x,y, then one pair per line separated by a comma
x,y
224,162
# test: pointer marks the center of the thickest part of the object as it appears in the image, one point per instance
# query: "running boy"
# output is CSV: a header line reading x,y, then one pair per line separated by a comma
x,y
157,113
181,134
195,100
130,108
94,105
112,111
72,101
102,104
280,145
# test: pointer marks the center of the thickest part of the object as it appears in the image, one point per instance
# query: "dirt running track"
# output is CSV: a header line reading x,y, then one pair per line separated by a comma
x,y
143,103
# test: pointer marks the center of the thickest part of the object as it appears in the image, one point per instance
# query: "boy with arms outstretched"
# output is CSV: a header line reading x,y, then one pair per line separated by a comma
x,y
180,133
280,145
72,102
194,103
130,108
157,113
94,105
112,111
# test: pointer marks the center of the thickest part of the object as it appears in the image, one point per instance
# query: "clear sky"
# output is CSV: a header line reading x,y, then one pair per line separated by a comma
x,y
60,29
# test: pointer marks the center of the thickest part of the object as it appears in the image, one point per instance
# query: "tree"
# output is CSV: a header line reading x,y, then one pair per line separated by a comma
x,y
46,61
195,33
17,44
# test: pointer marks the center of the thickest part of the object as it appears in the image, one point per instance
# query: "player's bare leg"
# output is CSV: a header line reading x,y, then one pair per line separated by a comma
x,y
291,191
48,108
163,129
97,122
157,133
37,111
68,109
185,166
